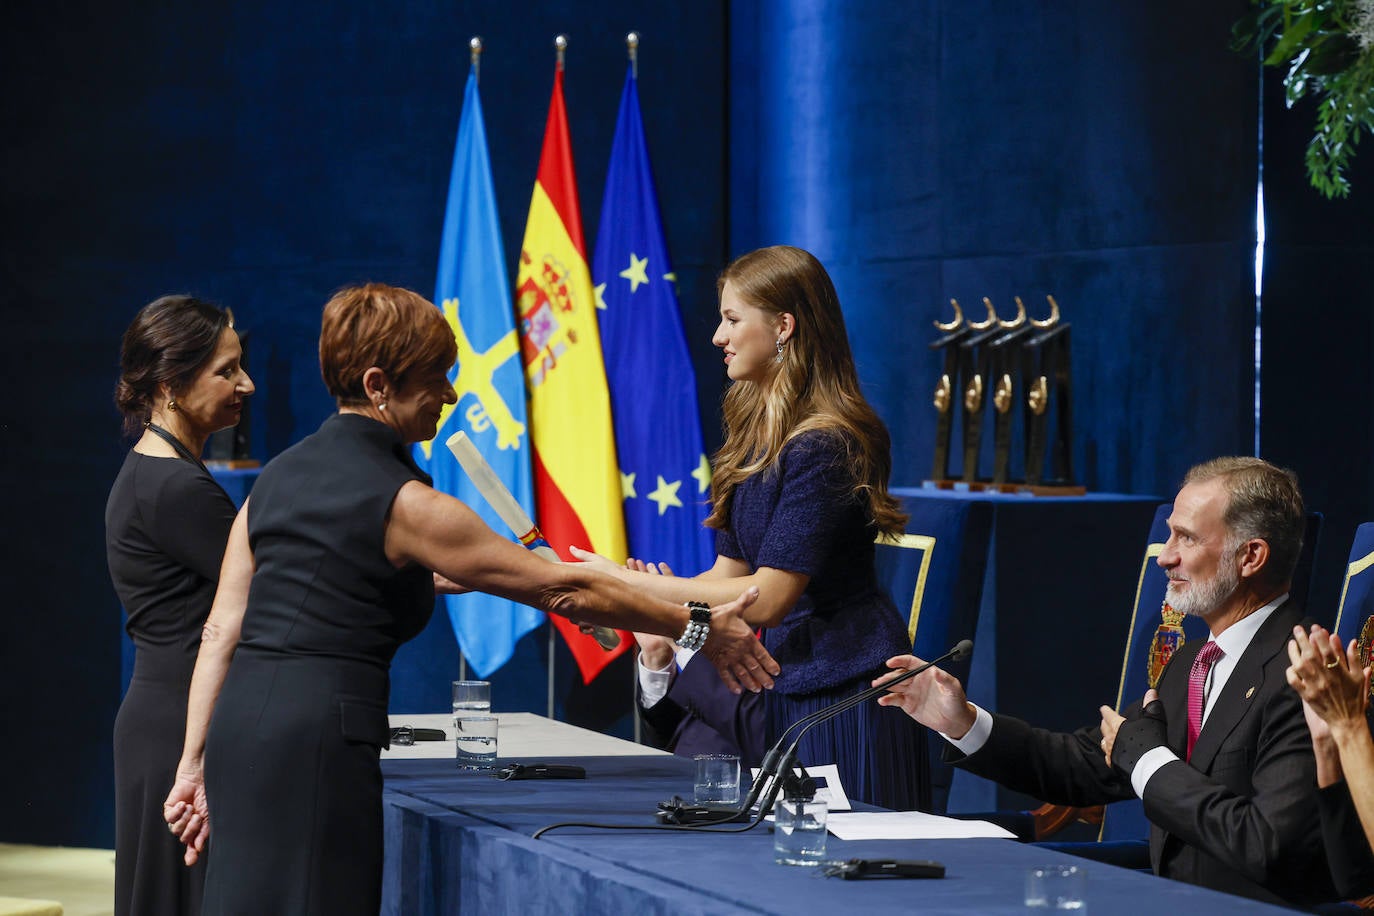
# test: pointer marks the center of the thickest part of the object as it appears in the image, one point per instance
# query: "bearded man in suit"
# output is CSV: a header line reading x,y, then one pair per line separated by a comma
x,y
1229,786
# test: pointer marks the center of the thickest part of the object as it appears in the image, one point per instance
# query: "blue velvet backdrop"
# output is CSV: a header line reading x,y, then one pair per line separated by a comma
x,y
1096,152
263,154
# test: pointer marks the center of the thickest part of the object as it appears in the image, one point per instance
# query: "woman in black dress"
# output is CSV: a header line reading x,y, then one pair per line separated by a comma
x,y
327,571
166,524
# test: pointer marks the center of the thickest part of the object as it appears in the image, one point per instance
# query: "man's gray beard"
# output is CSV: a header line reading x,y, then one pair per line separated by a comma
x,y
1200,600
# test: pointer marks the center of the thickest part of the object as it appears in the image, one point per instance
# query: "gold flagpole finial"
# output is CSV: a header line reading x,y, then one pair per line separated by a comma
x,y
475,46
560,45
632,43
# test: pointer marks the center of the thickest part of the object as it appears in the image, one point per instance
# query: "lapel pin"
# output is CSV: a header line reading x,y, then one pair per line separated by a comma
x,y
1249,693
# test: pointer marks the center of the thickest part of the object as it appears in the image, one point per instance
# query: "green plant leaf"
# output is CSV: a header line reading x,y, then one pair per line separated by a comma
x,y
1332,54
1290,40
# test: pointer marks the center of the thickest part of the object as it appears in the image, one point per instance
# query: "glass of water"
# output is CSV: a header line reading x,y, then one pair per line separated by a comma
x,y
799,831
476,742
471,698
1055,887
717,779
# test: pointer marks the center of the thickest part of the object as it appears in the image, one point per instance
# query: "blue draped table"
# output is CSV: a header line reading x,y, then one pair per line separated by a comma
x,y
1051,582
458,843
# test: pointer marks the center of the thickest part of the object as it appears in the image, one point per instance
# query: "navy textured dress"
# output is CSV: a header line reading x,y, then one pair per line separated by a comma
x,y
291,759
166,524
801,516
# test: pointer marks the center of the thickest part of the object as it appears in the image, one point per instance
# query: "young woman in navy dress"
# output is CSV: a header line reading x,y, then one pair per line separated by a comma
x,y
799,493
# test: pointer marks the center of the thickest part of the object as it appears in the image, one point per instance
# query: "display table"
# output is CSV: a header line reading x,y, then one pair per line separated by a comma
x,y
458,842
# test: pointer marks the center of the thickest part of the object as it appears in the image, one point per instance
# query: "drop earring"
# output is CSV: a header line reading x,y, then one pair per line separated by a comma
x,y
779,349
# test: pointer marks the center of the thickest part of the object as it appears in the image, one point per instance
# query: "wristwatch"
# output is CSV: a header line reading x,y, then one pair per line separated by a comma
x,y
698,627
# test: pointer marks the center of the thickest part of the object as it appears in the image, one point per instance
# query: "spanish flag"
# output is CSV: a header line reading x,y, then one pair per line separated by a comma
x,y
577,491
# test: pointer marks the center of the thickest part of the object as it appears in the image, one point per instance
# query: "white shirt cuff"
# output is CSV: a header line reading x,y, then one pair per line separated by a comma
x,y
976,736
654,685
1148,765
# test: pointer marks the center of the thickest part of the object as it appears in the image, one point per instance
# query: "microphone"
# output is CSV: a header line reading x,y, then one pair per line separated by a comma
x,y
778,761
960,652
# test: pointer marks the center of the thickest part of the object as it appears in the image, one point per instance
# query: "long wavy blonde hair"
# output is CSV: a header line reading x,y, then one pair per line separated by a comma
x,y
813,387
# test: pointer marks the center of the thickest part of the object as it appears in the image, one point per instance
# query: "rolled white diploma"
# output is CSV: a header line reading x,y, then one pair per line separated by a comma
x,y
512,513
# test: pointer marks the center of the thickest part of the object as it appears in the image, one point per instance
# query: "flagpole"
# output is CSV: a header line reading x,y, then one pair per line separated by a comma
x,y
475,44
552,648
632,50
560,45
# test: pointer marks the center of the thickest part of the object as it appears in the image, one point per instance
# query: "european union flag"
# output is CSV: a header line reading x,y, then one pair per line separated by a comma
x,y
474,294
665,477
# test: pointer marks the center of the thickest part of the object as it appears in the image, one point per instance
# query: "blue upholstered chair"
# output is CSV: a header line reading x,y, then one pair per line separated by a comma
x,y
1357,594
934,575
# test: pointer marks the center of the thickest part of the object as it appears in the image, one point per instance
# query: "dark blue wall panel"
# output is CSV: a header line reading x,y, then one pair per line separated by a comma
x,y
262,155
961,149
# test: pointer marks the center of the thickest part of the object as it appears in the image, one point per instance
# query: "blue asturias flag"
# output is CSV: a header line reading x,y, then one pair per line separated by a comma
x,y
474,293
665,477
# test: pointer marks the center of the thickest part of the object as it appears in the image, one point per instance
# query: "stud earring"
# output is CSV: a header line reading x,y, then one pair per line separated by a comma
x,y
172,405
381,405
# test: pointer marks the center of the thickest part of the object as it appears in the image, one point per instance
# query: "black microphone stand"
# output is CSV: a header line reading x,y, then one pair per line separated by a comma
x,y
776,761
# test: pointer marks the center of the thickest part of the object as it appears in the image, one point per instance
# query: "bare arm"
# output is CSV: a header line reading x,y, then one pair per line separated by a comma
x,y
779,589
1335,692
1357,760
185,809
441,534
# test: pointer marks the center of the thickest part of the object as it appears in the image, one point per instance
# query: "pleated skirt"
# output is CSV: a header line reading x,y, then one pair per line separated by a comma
x,y
880,752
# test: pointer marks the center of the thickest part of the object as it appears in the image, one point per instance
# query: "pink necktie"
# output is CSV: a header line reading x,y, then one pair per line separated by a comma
x,y
1197,696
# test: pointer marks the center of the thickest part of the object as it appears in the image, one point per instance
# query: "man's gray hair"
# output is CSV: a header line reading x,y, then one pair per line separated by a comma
x,y
1263,502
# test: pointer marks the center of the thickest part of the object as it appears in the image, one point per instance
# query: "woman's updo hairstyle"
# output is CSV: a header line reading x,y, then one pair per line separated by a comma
x,y
168,343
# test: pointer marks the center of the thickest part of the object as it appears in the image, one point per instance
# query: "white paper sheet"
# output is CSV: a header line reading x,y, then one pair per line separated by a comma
x,y
909,825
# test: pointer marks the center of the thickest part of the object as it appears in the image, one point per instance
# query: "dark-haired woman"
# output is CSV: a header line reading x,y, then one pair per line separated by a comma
x,y
799,493
166,524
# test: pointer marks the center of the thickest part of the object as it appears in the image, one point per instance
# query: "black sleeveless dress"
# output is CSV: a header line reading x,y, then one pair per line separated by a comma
x,y
291,759
166,524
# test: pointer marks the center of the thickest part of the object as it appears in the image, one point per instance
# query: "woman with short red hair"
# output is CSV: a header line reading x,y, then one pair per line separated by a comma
x,y
330,567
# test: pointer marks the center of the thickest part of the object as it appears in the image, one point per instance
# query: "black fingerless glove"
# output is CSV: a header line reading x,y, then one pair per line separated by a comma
x,y
1145,731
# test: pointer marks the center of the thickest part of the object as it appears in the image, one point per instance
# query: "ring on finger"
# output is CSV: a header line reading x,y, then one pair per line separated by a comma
x,y
1333,663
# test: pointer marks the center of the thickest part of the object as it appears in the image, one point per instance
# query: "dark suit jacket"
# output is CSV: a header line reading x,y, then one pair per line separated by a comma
x,y
700,715
1241,816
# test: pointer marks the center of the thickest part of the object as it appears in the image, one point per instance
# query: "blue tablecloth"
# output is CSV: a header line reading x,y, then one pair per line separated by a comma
x,y
462,843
